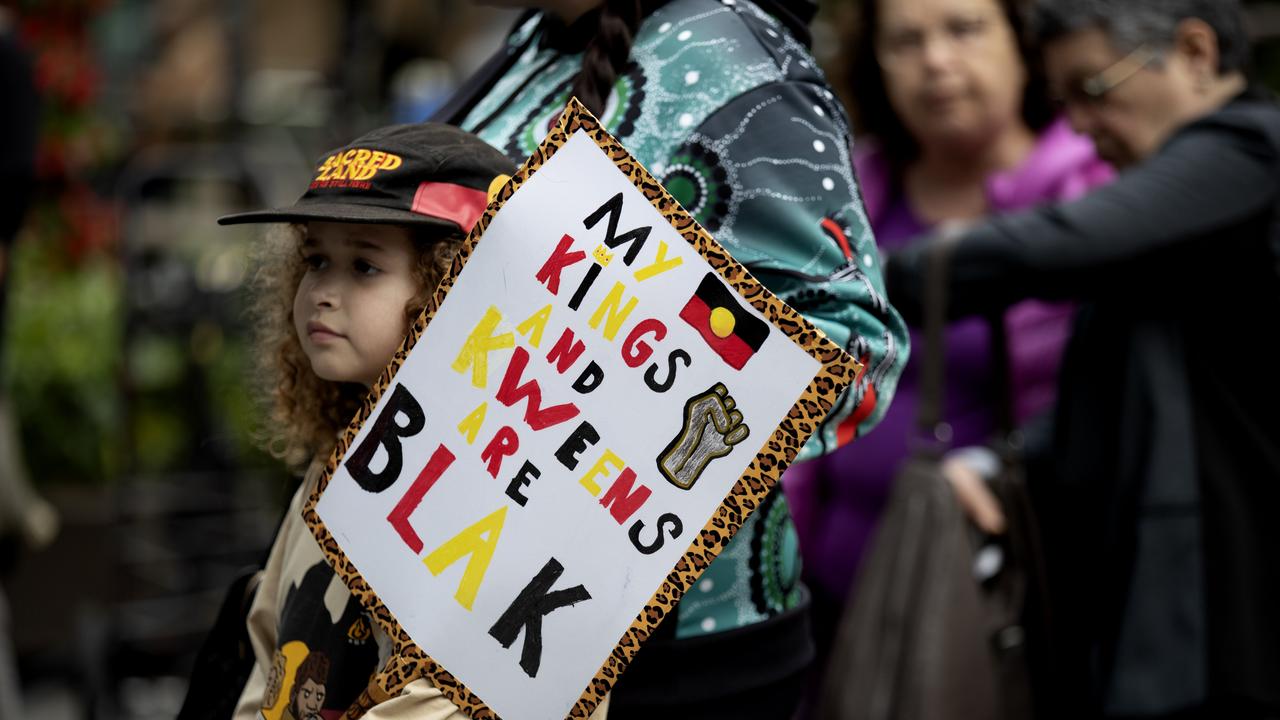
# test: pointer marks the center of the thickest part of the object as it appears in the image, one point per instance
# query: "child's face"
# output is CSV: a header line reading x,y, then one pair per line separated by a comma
x,y
349,311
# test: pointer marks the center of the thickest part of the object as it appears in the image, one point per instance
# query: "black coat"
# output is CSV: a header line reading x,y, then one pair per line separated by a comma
x,y
1160,498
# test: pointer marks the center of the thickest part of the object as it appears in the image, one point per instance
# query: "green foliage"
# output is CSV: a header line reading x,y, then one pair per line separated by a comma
x,y
231,393
62,362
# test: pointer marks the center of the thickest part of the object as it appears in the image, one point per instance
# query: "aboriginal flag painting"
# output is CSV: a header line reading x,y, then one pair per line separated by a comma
x,y
731,331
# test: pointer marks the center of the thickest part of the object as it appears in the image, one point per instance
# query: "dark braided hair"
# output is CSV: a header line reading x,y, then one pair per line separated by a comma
x,y
607,53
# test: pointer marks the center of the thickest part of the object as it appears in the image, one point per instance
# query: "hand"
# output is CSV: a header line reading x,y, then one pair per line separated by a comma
x,y
712,426
977,500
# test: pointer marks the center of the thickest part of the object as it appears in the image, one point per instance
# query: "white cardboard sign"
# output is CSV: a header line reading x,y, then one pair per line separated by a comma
x,y
582,403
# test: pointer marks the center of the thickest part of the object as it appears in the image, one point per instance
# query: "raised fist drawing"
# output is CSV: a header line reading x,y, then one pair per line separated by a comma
x,y
712,427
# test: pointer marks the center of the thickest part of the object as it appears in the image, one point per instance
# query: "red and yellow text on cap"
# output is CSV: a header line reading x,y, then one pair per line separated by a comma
x,y
356,164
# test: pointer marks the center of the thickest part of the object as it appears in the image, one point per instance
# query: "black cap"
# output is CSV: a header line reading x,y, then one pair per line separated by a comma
x,y
425,174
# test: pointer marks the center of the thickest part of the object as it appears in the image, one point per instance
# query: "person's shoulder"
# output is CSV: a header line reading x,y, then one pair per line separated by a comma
x,y
307,485
524,29
1058,146
698,62
732,42
1063,165
1255,115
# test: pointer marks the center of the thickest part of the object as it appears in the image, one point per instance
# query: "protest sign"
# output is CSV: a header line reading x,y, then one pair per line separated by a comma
x,y
596,398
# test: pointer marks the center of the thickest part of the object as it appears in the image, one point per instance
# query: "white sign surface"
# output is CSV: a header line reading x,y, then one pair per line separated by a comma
x,y
566,424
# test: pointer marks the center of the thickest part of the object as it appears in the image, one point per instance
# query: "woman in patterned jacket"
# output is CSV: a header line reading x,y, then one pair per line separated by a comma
x,y
722,101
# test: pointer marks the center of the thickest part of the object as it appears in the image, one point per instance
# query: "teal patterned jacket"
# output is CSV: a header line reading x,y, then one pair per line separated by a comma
x,y
735,118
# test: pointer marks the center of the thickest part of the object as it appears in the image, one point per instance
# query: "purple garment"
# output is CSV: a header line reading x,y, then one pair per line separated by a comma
x,y
836,500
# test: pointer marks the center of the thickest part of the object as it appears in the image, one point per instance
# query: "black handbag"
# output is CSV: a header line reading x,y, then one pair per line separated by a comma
x,y
936,627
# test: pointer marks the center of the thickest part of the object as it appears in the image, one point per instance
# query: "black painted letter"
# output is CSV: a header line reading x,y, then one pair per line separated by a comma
x,y
387,433
590,378
666,519
528,473
651,375
526,611
613,208
576,444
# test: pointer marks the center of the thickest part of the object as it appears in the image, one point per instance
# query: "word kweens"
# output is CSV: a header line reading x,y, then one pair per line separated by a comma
x,y
402,417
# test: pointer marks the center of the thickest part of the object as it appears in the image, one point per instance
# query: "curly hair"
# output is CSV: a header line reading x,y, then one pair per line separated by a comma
x,y
302,413
874,116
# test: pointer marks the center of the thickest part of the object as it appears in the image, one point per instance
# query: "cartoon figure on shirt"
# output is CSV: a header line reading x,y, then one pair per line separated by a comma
x,y
307,696
319,619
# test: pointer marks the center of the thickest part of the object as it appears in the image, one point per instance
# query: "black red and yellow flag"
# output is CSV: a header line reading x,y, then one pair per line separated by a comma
x,y
733,332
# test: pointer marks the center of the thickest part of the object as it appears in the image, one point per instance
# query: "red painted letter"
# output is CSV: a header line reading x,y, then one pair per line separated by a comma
x,y
504,443
566,351
636,351
512,392
440,461
560,259
621,500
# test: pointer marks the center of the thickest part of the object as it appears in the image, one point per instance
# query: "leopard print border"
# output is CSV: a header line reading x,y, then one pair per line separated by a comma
x,y
838,369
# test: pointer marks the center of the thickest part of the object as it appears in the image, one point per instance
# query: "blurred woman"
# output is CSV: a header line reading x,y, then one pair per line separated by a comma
x,y
955,125
1158,510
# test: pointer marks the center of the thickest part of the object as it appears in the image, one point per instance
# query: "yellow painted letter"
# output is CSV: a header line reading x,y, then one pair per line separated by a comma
x,y
475,352
612,305
479,541
471,424
533,327
659,265
589,480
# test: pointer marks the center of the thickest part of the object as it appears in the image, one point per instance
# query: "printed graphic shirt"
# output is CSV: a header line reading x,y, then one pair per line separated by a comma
x,y
315,647
733,116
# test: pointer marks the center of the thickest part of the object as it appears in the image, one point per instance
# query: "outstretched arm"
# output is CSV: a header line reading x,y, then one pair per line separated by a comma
x,y
1214,174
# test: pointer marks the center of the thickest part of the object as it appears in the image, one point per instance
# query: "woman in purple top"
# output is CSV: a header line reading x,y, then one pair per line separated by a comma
x,y
961,127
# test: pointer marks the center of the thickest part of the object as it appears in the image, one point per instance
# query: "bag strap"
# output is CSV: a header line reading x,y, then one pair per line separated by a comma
x,y
1006,424
929,423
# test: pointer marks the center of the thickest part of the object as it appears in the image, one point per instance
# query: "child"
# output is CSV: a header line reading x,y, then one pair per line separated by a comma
x,y
360,254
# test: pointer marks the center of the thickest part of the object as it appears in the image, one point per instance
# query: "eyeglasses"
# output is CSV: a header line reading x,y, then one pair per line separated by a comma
x,y
1093,90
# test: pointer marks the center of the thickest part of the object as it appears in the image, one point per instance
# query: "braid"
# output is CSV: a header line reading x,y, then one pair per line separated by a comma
x,y
607,53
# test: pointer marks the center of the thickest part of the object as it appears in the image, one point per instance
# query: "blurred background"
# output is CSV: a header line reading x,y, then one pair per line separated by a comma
x,y
123,400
